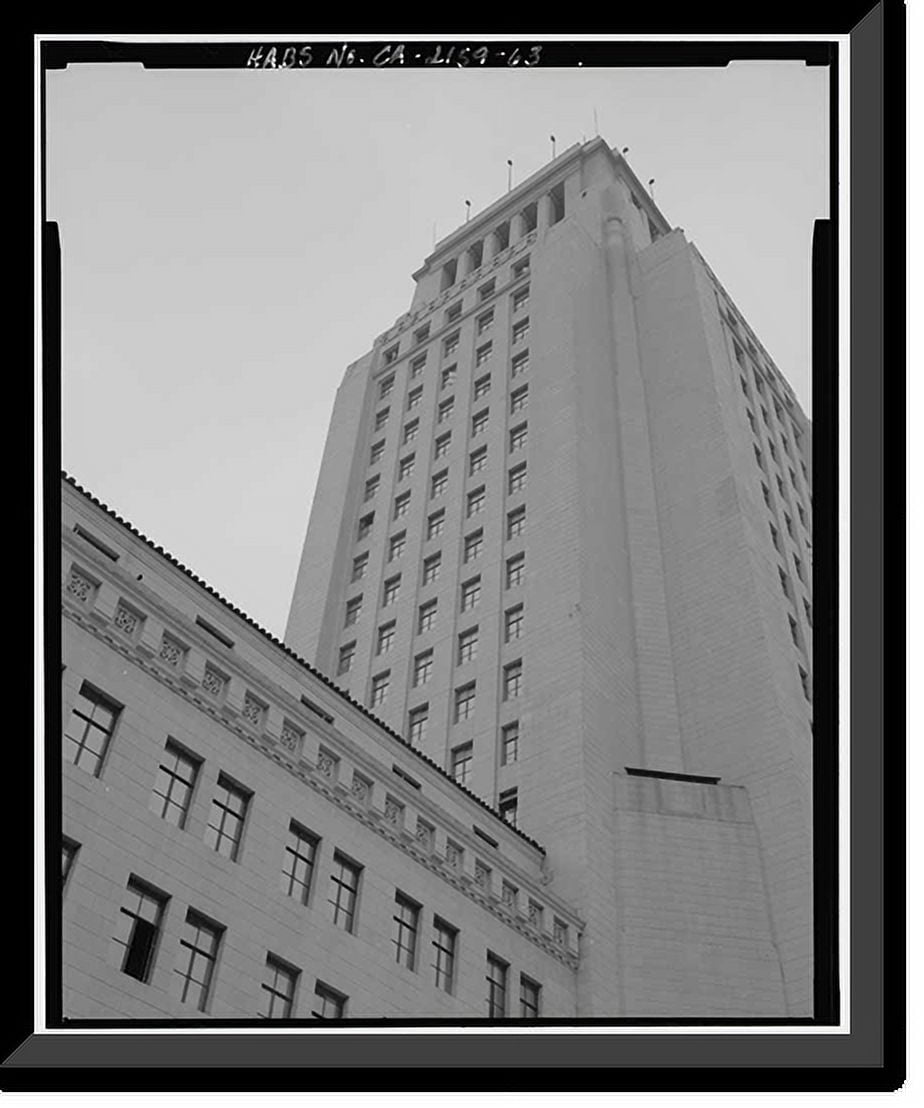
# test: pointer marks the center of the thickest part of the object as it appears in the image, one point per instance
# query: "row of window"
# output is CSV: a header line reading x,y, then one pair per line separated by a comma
x,y
464,697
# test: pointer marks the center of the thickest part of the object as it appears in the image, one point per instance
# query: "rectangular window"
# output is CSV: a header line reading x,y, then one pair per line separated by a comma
x,y
516,570
328,1003
513,623
468,645
379,689
513,680
435,523
402,503
794,631
802,516
473,544
461,765
391,354
482,386
90,728
353,609
518,399
396,545
507,806
138,928
759,457
406,467
766,493
365,526
359,567
789,528
444,411
517,438
226,820
475,501
485,321
427,617
390,590
520,268
406,920
477,460
516,479
386,386
375,454
497,987
174,785
516,523
471,593
386,638
521,298
486,291
806,684
529,998
450,344
413,398
381,418
510,743
465,702
198,955
772,451
784,582
298,862
482,354
453,312
442,444
345,658
417,724
479,422
775,536
560,931
68,857
422,334
423,667
438,483
417,365
410,431
520,330
431,568
344,890
371,488
808,612
279,981
445,938
448,376
800,572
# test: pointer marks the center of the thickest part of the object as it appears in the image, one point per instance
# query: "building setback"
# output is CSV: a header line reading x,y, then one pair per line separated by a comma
x,y
561,541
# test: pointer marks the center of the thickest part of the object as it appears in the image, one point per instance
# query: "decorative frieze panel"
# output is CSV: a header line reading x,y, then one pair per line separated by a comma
x,y
172,651
81,586
127,620
292,737
328,764
394,812
214,682
254,711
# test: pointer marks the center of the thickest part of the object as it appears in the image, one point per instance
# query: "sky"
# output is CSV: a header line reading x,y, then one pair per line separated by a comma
x,y
232,240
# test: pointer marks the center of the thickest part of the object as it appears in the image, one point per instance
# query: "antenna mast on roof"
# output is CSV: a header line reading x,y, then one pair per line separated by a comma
x,y
509,174
596,125
468,210
552,137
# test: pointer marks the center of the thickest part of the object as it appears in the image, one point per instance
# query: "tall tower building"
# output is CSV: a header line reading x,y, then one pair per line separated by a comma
x,y
561,540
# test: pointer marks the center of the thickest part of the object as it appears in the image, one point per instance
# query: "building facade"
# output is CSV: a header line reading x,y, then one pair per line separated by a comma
x,y
561,541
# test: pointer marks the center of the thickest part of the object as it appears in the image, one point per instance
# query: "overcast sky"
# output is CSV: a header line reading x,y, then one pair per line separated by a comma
x,y
233,240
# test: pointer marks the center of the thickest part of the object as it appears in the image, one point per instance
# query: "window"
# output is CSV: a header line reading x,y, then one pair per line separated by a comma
x,y
365,526
413,398
405,467
439,482
226,821
471,592
520,330
417,724
519,364
516,522
328,1003
766,493
68,856
744,384
482,354
386,638
752,421
353,609
87,735
772,451
402,504
279,981
802,517
509,895
461,765
800,572
781,486
423,667
422,334
806,684
521,298
372,486
379,689
513,680
485,321
789,528
775,536
516,479
381,418
468,645
529,998
360,562
465,702
375,454
520,268
435,523
482,386
451,344
396,545
444,947
808,611
507,806
794,631
560,931
406,920
513,623
473,544
198,955
518,399
444,411
138,928
173,787
442,444
431,568
486,291
345,659
391,354
386,386
497,987
759,457
510,743
784,581
298,862
343,891
427,616
477,460
517,438
417,365
516,569
475,502
448,376
390,590
454,312
479,422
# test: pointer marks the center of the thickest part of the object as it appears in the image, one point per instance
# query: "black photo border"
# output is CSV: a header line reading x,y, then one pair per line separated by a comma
x,y
872,1055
